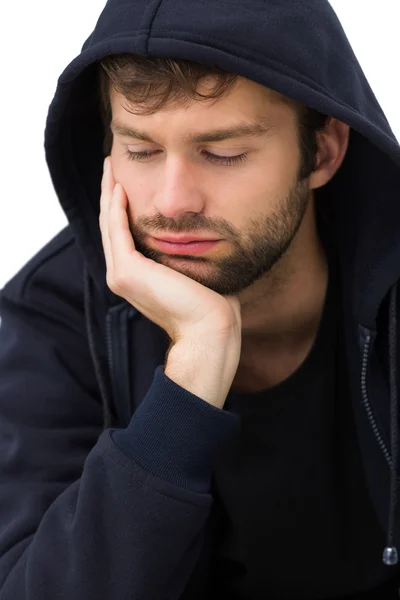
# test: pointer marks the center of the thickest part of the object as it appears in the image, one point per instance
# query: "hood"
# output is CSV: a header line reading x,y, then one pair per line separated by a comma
x,y
296,48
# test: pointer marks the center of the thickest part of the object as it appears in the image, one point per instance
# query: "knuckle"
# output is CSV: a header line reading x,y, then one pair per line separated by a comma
x,y
111,283
119,279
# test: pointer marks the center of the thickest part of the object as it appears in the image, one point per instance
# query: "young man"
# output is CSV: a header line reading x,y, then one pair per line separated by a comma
x,y
198,391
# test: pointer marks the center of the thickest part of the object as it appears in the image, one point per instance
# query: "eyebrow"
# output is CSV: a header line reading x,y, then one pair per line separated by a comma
x,y
254,129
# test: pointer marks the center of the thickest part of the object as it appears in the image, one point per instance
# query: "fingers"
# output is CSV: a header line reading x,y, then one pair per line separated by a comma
x,y
118,244
121,241
107,185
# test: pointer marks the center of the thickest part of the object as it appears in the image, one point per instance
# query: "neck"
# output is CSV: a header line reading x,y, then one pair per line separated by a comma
x,y
282,311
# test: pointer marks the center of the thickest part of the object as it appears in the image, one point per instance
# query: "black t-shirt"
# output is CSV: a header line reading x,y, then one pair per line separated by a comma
x,y
292,516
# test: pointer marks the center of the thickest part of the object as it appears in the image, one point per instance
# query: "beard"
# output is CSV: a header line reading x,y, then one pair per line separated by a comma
x,y
267,240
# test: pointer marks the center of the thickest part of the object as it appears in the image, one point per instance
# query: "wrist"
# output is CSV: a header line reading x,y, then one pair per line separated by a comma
x,y
204,367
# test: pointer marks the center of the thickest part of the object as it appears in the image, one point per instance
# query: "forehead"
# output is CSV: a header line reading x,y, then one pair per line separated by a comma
x,y
246,95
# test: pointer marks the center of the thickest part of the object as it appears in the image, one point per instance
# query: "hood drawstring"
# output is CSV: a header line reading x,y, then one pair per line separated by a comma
x,y
390,554
107,417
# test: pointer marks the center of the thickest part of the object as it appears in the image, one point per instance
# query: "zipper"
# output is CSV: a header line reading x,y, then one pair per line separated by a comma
x,y
366,402
118,358
109,344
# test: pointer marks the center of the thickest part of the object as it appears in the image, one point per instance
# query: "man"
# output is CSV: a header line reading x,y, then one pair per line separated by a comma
x,y
218,417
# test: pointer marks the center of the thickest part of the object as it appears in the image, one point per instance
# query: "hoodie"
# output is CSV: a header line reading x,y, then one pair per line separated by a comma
x,y
80,515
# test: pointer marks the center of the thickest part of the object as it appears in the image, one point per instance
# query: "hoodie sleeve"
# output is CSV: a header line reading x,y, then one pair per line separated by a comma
x,y
80,517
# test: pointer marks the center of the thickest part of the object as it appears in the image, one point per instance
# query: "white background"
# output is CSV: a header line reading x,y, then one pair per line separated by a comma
x,y
39,39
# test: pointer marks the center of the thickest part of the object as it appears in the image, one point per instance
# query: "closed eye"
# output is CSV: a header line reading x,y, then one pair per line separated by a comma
x,y
214,158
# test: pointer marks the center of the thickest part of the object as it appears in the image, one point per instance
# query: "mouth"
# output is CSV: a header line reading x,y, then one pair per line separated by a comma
x,y
189,247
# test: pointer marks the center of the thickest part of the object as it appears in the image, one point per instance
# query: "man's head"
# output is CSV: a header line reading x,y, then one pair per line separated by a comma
x,y
256,204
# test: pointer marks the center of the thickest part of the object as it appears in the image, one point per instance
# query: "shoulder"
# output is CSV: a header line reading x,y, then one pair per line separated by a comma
x,y
52,280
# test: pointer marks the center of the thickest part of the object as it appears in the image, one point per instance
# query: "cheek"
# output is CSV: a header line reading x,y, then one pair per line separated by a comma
x,y
138,199
259,191
277,170
137,189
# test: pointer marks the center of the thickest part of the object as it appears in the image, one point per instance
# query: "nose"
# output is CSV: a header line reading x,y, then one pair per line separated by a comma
x,y
178,190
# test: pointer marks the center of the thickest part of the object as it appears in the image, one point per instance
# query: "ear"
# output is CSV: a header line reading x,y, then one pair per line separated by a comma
x,y
333,142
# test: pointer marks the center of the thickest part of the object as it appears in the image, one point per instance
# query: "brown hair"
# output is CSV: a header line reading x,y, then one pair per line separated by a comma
x,y
151,83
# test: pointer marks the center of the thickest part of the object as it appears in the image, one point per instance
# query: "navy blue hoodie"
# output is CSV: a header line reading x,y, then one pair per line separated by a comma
x,y
82,516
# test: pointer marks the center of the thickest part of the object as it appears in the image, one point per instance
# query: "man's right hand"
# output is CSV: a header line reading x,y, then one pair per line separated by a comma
x,y
204,366
178,304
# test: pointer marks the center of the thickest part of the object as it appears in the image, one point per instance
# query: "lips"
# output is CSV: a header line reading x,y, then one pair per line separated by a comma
x,y
185,239
194,247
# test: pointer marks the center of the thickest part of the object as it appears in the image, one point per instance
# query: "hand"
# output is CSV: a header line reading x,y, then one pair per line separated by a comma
x,y
176,303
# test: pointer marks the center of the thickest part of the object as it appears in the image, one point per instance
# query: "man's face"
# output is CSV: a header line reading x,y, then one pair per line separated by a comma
x,y
254,207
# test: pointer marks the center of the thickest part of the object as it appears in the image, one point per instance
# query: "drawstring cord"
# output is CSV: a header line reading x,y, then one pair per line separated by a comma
x,y
107,417
390,554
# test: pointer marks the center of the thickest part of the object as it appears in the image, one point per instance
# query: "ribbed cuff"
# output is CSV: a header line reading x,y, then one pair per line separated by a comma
x,y
176,435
